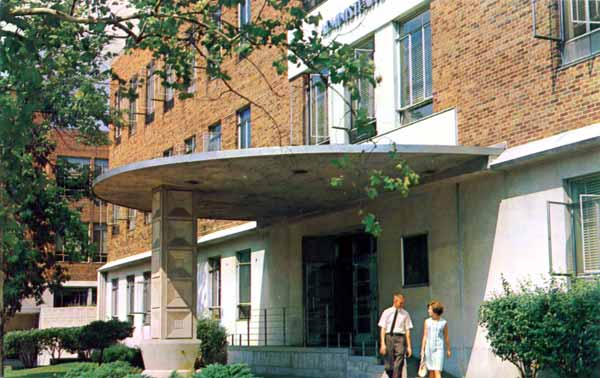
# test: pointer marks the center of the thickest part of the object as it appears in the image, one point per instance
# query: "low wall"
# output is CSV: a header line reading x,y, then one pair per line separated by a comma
x,y
51,317
292,362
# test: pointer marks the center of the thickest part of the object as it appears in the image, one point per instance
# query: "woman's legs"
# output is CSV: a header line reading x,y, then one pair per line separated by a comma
x,y
431,374
435,374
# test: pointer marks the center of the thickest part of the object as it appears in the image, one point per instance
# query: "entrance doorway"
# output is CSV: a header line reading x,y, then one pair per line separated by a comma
x,y
340,289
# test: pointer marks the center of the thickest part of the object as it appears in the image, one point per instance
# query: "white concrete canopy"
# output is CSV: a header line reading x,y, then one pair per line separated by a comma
x,y
263,183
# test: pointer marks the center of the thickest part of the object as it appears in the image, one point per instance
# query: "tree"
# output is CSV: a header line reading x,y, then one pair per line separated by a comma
x,y
99,335
53,75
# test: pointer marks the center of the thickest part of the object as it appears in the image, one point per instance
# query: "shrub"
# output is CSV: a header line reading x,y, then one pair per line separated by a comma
x,y
225,371
119,369
99,335
572,326
213,342
26,345
57,340
549,327
120,352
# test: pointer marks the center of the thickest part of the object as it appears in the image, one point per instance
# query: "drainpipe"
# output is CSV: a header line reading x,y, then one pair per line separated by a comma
x,y
462,363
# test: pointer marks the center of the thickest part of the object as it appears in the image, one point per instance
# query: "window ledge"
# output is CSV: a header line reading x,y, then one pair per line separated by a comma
x,y
576,62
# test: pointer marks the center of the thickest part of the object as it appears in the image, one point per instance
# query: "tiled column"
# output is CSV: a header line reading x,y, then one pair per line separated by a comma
x,y
173,285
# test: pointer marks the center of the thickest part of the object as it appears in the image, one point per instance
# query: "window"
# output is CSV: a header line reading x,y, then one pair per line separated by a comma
x,y
190,145
193,77
415,69
214,273
585,195
131,215
147,217
244,128
213,138
168,152
150,93
114,298
310,4
169,94
73,174
118,108
581,22
214,56
75,296
100,166
147,307
245,17
318,125
244,281
100,240
365,105
133,85
415,262
72,251
115,219
130,297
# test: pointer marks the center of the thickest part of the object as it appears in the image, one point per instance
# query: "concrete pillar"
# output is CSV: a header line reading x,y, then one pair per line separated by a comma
x,y
173,285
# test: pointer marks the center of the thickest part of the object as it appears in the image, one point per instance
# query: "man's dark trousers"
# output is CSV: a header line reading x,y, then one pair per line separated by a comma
x,y
394,356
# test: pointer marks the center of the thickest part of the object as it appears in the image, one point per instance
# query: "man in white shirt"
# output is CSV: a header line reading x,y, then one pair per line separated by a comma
x,y
395,325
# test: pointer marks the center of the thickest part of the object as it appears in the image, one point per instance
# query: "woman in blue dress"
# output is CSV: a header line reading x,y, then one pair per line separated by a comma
x,y
436,342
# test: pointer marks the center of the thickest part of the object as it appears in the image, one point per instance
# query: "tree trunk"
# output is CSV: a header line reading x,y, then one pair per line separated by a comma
x,y
1,301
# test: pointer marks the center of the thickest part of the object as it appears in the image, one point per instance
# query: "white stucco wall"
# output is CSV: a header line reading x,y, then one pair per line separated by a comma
x,y
141,331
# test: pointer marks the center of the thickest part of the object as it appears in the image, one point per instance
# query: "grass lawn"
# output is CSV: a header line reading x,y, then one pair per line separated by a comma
x,y
54,371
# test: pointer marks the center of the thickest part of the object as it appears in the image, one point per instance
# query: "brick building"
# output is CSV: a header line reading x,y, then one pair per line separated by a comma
x,y
75,303
499,118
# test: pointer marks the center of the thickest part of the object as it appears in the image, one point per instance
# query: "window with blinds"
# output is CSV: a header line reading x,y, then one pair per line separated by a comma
x,y
146,297
364,105
114,300
150,93
586,197
581,29
414,43
169,91
244,128
133,85
214,272
318,125
244,283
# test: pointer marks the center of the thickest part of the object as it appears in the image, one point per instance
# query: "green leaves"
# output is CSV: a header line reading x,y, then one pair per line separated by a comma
x,y
550,327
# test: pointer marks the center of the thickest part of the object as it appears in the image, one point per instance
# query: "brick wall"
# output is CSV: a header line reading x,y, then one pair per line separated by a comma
x,y
507,85
68,145
273,124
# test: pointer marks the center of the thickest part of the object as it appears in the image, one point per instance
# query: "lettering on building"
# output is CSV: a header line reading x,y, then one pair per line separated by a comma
x,y
357,9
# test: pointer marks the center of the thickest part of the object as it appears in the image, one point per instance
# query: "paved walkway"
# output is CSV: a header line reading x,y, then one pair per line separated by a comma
x,y
412,372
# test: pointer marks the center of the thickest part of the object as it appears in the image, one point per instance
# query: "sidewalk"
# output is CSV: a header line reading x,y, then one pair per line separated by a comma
x,y
412,371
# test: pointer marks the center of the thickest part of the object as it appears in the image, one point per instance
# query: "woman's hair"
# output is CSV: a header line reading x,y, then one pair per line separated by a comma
x,y
436,307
